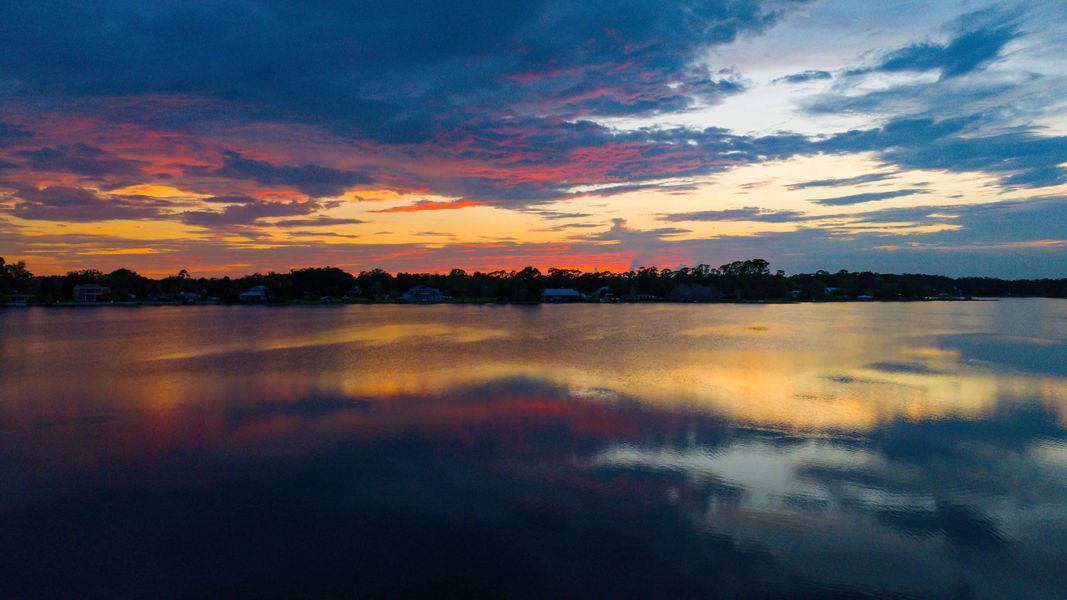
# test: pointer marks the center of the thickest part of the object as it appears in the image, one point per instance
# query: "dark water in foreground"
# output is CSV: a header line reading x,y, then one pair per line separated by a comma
x,y
699,450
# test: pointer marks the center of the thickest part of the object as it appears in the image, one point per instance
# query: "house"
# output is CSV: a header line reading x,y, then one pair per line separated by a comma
x,y
604,292
422,293
18,299
91,292
353,292
256,294
560,295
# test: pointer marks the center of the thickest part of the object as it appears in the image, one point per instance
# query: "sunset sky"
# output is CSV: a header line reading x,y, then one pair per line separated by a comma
x,y
227,138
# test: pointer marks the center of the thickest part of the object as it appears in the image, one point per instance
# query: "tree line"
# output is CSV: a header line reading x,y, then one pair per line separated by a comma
x,y
747,280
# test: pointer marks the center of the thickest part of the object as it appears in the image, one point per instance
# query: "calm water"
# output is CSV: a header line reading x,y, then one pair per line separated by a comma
x,y
598,450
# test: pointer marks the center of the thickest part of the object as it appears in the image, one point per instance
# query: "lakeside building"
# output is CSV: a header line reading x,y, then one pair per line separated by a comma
x,y
560,295
422,293
256,294
18,299
91,292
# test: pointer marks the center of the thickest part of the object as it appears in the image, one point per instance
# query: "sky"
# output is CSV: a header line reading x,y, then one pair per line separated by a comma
x,y
244,136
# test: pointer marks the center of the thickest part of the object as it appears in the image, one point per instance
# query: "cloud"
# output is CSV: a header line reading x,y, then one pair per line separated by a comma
x,y
75,204
980,38
566,226
553,215
841,182
396,74
748,213
314,180
81,159
424,205
867,197
620,231
1021,157
11,132
318,222
805,76
248,213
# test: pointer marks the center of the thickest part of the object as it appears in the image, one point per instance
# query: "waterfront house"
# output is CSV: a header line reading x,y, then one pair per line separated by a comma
x,y
561,295
18,299
256,294
422,293
91,292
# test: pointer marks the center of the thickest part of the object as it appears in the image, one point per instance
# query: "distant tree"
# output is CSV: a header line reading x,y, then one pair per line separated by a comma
x,y
314,283
125,283
14,277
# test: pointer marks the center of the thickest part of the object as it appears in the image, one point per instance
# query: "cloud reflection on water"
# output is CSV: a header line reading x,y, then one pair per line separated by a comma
x,y
835,450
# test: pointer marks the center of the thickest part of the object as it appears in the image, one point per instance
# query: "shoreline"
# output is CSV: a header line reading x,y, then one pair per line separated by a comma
x,y
507,303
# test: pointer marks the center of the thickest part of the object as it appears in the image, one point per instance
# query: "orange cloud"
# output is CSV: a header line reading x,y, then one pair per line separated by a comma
x,y
422,205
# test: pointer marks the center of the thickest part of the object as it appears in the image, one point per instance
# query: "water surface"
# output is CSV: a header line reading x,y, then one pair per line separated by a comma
x,y
885,449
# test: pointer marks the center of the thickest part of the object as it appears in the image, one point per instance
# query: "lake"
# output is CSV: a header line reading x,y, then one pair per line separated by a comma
x,y
798,450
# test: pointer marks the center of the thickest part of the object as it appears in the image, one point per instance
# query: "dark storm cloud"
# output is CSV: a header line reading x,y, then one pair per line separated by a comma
x,y
394,72
314,180
66,203
804,76
748,213
867,197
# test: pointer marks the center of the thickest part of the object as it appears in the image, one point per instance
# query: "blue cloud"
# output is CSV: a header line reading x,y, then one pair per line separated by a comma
x,y
805,76
11,132
81,159
840,182
1021,157
867,197
979,42
748,213
314,180
395,72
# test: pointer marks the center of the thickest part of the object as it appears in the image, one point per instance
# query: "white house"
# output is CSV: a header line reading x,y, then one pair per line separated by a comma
x,y
90,292
560,295
256,294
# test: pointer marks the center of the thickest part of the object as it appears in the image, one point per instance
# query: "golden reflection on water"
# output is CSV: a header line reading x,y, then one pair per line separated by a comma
x,y
843,367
